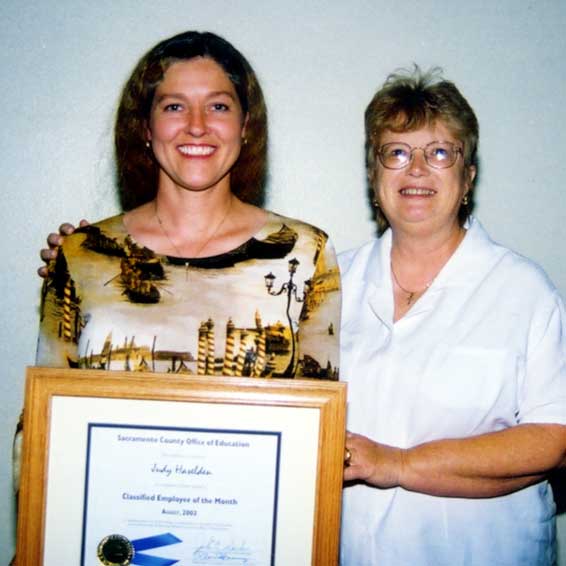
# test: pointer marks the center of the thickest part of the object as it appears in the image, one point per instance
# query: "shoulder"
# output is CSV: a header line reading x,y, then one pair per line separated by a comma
x,y
354,262
277,221
356,255
111,224
530,285
299,235
107,229
528,271
509,277
519,272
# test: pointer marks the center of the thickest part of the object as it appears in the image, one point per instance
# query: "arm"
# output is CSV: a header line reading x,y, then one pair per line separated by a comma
x,y
17,453
319,326
51,349
487,465
494,463
60,317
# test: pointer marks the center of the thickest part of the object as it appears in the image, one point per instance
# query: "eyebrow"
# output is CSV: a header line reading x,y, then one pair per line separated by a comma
x,y
213,94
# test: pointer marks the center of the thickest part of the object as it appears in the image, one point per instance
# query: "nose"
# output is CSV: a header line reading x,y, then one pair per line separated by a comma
x,y
417,165
196,122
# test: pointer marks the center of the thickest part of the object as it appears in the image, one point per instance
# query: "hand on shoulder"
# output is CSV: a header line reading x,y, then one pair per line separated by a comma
x,y
54,240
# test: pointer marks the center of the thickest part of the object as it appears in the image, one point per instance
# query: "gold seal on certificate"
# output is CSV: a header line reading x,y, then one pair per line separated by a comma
x,y
115,550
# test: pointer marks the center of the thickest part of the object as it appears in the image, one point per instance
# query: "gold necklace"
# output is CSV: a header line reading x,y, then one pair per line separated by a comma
x,y
461,235
410,293
202,247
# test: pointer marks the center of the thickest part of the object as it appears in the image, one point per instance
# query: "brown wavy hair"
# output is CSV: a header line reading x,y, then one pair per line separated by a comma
x,y
137,169
411,99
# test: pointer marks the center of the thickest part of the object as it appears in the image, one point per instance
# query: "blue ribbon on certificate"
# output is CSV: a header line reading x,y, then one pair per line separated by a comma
x,y
149,543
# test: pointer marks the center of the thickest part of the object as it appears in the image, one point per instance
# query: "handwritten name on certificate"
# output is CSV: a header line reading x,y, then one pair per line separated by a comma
x,y
176,495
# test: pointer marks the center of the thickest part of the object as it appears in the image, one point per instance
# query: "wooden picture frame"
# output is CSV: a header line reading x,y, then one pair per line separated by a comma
x,y
59,461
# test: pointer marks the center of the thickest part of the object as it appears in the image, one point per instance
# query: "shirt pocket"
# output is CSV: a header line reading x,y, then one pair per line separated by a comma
x,y
474,388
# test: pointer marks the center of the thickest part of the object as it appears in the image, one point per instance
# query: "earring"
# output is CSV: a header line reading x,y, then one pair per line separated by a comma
x,y
465,200
375,203
147,144
245,141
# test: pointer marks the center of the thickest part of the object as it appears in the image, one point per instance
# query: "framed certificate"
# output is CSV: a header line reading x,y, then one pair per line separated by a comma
x,y
150,469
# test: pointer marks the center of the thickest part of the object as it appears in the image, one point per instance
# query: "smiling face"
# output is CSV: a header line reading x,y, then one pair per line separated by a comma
x,y
196,126
420,196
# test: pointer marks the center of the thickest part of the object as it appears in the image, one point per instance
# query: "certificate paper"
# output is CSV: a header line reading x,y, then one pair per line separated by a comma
x,y
215,491
247,497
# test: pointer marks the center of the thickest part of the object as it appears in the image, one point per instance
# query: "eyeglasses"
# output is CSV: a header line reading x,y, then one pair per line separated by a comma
x,y
437,154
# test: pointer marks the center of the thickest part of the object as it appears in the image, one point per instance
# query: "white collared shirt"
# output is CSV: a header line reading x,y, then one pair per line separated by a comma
x,y
482,350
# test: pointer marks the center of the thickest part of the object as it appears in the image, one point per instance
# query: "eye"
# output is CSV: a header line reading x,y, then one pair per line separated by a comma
x,y
396,151
173,107
440,152
220,107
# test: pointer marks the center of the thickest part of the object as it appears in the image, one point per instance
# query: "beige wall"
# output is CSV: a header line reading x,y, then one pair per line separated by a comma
x,y
63,63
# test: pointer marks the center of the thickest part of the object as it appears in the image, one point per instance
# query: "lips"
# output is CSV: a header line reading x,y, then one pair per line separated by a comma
x,y
417,191
196,150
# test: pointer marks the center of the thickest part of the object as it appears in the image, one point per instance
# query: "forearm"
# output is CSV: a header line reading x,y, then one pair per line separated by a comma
x,y
487,465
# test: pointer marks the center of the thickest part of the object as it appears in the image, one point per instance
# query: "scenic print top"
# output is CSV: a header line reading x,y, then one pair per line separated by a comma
x,y
269,308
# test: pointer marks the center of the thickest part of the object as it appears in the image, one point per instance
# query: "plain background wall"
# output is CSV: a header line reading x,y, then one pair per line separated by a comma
x,y
64,62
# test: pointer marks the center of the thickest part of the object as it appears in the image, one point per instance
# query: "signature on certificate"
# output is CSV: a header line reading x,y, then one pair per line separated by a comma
x,y
218,552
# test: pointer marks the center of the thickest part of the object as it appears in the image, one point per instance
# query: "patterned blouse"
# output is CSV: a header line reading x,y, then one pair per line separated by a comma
x,y
269,308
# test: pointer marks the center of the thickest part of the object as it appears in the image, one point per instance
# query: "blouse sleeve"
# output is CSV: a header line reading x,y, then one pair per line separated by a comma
x,y
59,317
57,343
320,317
543,385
